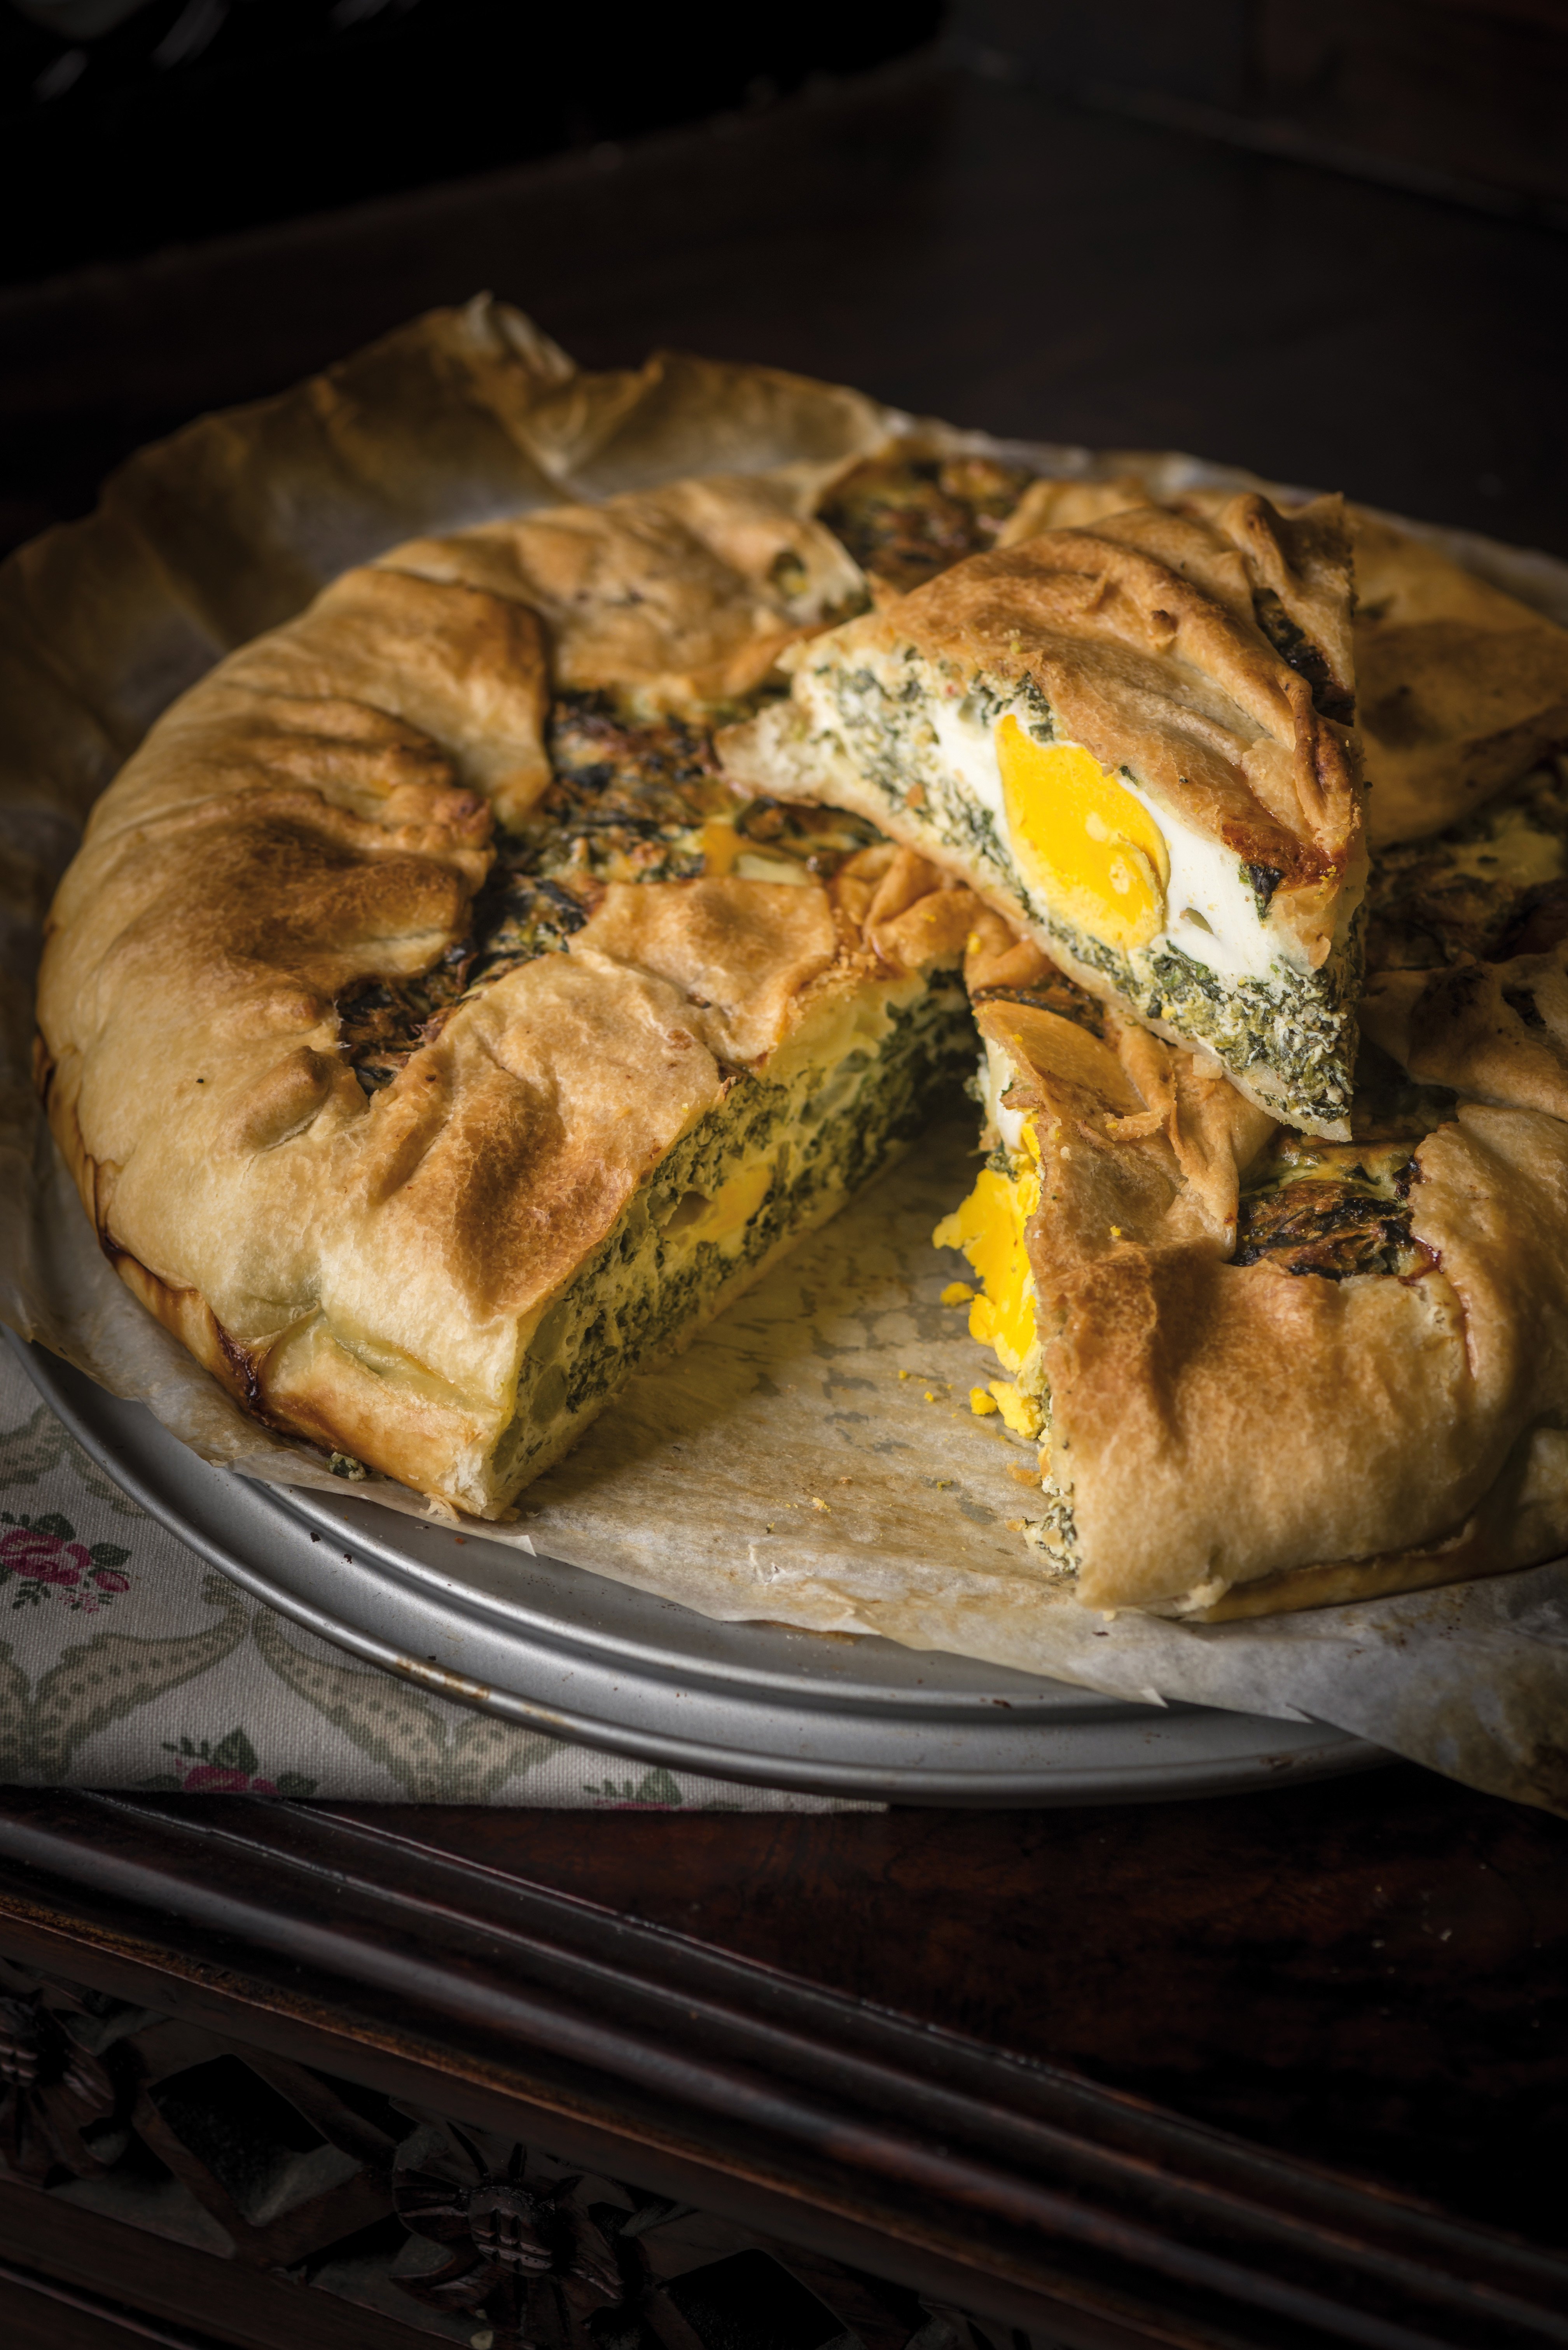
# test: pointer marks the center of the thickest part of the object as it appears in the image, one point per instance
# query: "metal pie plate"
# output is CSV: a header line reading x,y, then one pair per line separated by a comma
x,y
555,1648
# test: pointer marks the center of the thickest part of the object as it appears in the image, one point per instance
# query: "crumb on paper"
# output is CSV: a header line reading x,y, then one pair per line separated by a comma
x,y
982,1401
959,1293
817,1504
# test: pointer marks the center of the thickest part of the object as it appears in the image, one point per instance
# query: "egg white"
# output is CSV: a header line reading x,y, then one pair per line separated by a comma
x,y
1212,911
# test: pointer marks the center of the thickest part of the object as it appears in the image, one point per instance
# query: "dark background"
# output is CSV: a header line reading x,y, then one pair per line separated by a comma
x,y
187,118
1324,238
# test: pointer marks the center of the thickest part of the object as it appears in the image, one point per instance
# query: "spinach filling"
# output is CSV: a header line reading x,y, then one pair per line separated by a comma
x,y
1343,1210
630,800
1338,1209
906,518
1293,644
1297,1024
1488,889
653,1278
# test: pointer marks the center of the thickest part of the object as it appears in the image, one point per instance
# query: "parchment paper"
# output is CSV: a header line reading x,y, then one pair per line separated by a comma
x,y
812,1459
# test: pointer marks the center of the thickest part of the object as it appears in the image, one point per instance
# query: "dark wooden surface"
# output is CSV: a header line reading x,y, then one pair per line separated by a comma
x,y
961,245
1371,1973
889,2039
1047,2064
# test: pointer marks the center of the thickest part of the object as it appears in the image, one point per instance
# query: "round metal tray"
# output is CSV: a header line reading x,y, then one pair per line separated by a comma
x,y
558,1649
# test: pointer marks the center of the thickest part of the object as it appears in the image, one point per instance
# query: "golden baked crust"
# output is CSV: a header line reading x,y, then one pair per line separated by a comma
x,y
678,598
1462,687
1229,1437
1151,639
384,1270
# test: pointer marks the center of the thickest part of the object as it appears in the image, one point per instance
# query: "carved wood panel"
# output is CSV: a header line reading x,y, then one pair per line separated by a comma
x,y
118,2111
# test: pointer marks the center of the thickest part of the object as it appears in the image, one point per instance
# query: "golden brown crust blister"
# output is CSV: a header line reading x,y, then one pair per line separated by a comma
x,y
317,813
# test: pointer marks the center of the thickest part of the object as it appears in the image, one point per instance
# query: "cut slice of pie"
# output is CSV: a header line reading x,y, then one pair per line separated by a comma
x,y
1263,1371
1461,688
435,1039
1132,739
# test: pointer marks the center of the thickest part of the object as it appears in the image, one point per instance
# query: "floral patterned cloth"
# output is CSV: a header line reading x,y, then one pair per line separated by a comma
x,y
127,1661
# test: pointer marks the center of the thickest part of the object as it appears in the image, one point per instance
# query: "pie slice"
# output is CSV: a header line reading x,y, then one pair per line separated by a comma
x,y
1461,688
432,1036
1263,1371
1131,738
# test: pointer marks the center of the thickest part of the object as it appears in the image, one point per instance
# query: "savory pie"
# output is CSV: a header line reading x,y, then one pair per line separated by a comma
x,y
433,1037
437,1036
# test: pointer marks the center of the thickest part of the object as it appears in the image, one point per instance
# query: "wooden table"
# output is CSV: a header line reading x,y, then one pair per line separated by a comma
x,y
1264,2072
1135,2076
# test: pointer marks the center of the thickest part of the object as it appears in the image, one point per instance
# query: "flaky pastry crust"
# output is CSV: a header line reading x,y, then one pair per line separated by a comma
x,y
318,813
1237,1438
1462,687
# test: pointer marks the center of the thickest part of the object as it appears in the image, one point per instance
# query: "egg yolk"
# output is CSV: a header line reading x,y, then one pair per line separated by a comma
x,y
1022,1415
726,1215
722,844
988,1229
1092,851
